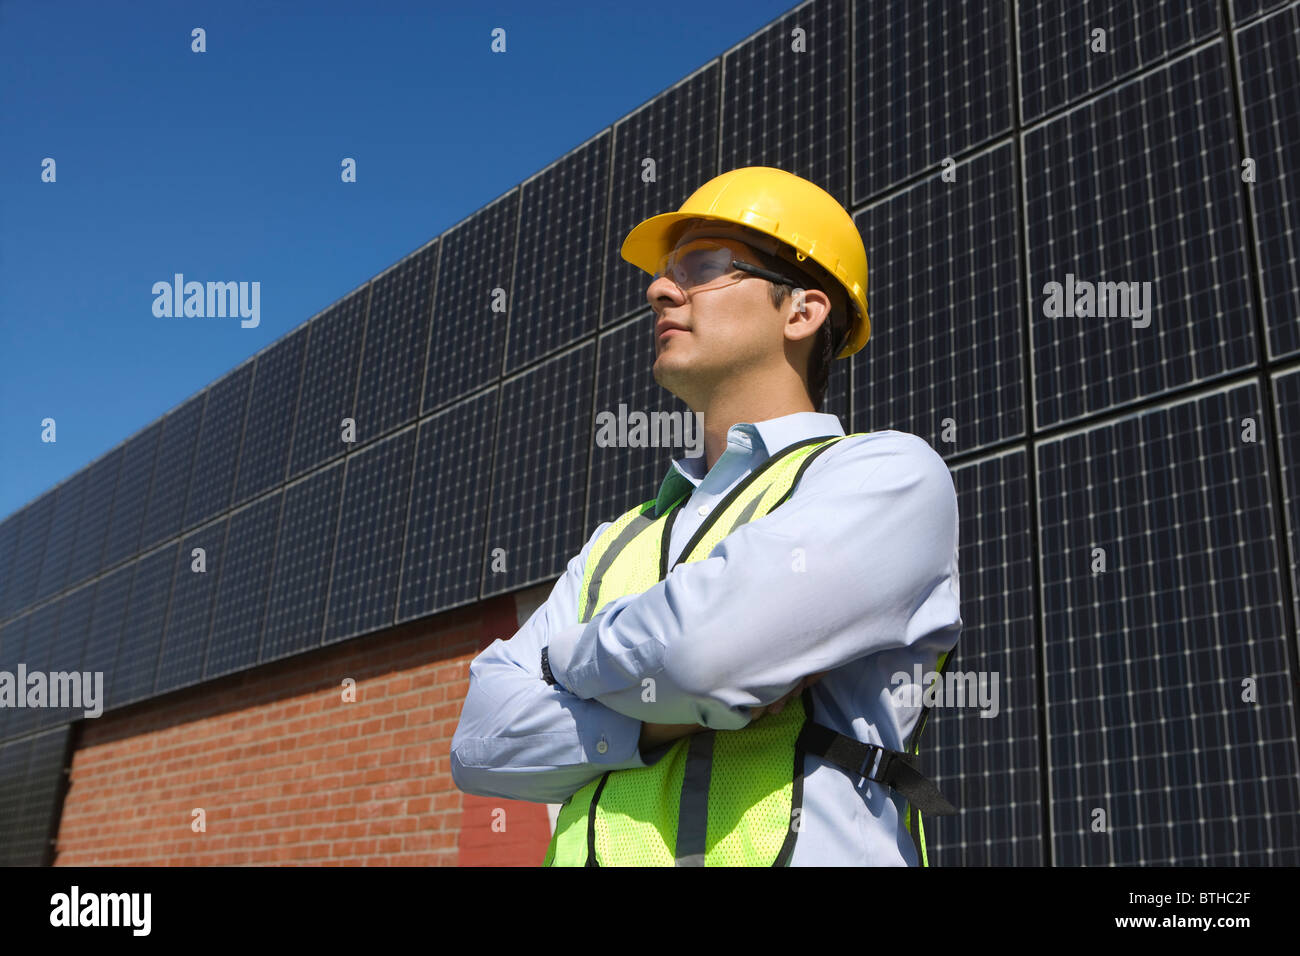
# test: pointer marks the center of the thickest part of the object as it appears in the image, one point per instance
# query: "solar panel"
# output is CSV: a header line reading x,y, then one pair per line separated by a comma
x,y
1243,10
31,548
985,759
185,639
92,526
468,334
930,80
443,549
272,405
13,649
245,569
1103,209
1060,56
658,162
171,483
62,535
132,495
74,611
34,829
787,107
300,581
217,454
14,758
368,555
623,476
1152,658
42,631
1286,392
112,593
329,383
1268,63
397,340
539,472
944,291
10,529
561,208
137,653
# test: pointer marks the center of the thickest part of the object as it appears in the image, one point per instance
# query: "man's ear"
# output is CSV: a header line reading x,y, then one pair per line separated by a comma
x,y
806,310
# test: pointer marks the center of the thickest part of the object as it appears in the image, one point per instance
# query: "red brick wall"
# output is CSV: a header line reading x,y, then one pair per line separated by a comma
x,y
288,773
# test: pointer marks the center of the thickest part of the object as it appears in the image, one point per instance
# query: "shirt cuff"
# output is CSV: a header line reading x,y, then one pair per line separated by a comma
x,y
559,652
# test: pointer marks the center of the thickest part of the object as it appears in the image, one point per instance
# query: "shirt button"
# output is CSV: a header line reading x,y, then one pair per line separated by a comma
x,y
602,746
702,510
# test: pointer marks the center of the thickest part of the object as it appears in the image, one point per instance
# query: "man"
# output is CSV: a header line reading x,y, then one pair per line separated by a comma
x,y
711,682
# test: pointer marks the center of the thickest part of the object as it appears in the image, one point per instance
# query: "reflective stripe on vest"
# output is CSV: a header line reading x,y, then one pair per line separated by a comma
x,y
709,799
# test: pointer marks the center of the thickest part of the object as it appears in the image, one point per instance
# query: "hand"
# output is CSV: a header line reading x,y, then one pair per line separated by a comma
x,y
778,705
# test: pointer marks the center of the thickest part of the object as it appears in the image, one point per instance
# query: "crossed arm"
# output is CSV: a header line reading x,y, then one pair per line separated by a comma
x,y
841,570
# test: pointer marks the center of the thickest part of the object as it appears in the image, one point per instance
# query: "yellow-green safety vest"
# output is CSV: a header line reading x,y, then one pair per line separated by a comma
x,y
733,798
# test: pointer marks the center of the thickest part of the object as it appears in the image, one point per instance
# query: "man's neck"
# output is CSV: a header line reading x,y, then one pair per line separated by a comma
x,y
730,407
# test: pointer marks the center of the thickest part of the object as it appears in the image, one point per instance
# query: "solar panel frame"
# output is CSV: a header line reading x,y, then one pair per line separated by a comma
x,y
684,157
792,113
189,619
41,633
216,457
14,759
467,337
1142,488
1268,77
1054,74
13,649
239,612
272,409
62,536
1244,11
43,789
368,550
132,495
107,622
946,284
75,608
396,343
92,525
925,89
172,472
1286,412
442,550
299,583
329,384
562,207
1136,223
10,530
550,404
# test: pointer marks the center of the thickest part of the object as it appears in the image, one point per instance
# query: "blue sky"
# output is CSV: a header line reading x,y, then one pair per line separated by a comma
x,y
225,165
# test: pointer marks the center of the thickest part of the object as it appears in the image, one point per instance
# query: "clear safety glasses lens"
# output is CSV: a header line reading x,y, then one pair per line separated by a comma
x,y
697,263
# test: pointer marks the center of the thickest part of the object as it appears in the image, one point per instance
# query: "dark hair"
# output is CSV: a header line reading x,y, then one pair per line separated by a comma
x,y
831,335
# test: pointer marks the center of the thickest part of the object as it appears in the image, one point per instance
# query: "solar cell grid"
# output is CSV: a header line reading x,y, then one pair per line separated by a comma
x,y
25,573
1286,391
443,543
217,455
42,631
74,611
397,339
36,823
299,583
245,577
469,318
62,535
194,587
112,593
92,525
171,484
13,648
137,653
931,80
540,472
368,556
561,208
944,289
14,758
1147,658
272,405
132,495
329,383
1105,207
10,529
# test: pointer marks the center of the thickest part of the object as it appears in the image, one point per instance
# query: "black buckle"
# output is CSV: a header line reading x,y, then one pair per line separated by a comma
x,y
882,771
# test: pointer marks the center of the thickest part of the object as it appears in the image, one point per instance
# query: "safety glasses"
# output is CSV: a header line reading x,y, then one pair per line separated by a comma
x,y
712,264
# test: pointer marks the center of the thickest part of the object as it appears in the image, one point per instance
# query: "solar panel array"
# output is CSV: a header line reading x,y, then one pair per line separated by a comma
x,y
1083,252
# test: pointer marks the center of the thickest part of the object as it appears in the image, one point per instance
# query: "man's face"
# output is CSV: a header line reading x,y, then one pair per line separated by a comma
x,y
722,328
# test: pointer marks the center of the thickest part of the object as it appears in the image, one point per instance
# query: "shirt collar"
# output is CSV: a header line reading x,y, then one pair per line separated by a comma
x,y
764,438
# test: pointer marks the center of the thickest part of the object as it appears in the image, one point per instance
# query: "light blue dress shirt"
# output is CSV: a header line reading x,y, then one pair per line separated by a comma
x,y
855,574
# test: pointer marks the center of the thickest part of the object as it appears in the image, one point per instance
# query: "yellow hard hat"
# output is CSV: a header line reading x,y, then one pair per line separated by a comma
x,y
791,210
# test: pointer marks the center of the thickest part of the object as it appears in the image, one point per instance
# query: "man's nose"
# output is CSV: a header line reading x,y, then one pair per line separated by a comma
x,y
663,292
